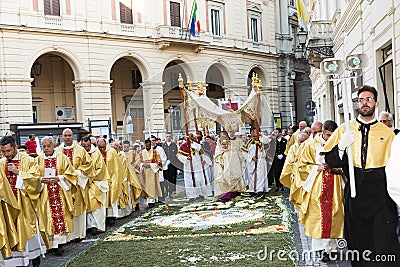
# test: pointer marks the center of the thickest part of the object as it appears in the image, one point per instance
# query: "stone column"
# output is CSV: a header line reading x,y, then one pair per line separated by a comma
x,y
15,102
153,103
93,100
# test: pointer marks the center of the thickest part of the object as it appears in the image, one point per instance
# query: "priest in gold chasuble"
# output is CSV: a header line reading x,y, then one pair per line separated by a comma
x,y
149,161
133,177
97,189
110,158
290,176
124,202
322,206
82,164
19,196
55,206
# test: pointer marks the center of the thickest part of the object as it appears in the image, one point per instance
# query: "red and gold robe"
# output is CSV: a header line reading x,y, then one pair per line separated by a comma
x,y
55,206
26,198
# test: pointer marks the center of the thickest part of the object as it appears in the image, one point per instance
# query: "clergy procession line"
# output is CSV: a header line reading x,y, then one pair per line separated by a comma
x,y
73,190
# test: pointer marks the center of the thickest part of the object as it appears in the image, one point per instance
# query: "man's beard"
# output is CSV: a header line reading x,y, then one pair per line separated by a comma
x,y
148,148
367,113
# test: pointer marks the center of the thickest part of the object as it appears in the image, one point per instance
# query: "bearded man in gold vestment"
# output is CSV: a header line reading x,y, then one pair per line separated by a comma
x,y
18,173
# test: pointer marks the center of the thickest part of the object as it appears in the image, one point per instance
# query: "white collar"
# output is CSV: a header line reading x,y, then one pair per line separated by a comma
x,y
16,156
68,147
92,149
321,139
52,156
365,122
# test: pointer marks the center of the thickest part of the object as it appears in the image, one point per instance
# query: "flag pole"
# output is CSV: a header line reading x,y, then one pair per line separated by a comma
x,y
257,126
200,93
181,89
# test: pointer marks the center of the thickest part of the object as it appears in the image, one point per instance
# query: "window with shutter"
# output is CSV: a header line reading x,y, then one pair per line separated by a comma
x,y
175,14
52,7
254,29
125,14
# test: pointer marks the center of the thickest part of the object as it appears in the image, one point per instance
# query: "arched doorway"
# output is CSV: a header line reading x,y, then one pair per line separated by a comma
x,y
250,76
127,100
53,90
215,82
172,97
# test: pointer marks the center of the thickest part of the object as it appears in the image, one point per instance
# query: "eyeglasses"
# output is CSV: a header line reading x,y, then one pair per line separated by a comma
x,y
367,99
384,121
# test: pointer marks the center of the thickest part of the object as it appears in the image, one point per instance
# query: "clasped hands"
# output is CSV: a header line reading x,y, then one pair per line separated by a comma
x,y
12,168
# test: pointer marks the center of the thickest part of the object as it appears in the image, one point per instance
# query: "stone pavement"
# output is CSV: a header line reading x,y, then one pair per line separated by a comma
x,y
303,245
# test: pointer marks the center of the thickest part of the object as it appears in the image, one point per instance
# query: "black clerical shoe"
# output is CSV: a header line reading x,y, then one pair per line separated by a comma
x,y
110,221
326,257
151,205
192,200
36,261
59,251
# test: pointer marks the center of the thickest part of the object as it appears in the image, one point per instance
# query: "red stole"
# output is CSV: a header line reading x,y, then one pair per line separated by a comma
x,y
104,154
12,178
147,161
326,201
70,154
55,201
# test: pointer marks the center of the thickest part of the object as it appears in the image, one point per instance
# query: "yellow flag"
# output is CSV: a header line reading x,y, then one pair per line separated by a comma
x,y
301,11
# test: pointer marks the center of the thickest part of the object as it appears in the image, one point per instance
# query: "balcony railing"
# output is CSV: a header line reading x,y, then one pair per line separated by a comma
x,y
52,20
319,42
127,28
321,29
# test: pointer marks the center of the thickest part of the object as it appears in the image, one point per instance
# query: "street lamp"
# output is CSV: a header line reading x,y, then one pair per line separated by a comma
x,y
302,36
37,67
325,50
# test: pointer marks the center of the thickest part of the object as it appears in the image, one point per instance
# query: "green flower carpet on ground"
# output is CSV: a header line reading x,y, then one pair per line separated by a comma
x,y
242,232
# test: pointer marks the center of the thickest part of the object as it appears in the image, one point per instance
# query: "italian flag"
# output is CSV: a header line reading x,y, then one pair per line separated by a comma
x,y
194,21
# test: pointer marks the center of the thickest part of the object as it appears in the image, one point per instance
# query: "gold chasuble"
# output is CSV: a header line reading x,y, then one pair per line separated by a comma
x,y
322,206
100,174
291,177
133,177
9,211
82,163
55,208
123,199
292,140
149,175
110,157
26,198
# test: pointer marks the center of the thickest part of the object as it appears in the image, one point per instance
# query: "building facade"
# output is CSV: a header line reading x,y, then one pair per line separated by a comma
x,y
119,60
365,27
293,73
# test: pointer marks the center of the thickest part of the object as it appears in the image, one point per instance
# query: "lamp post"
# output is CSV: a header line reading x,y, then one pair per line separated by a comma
x,y
170,111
